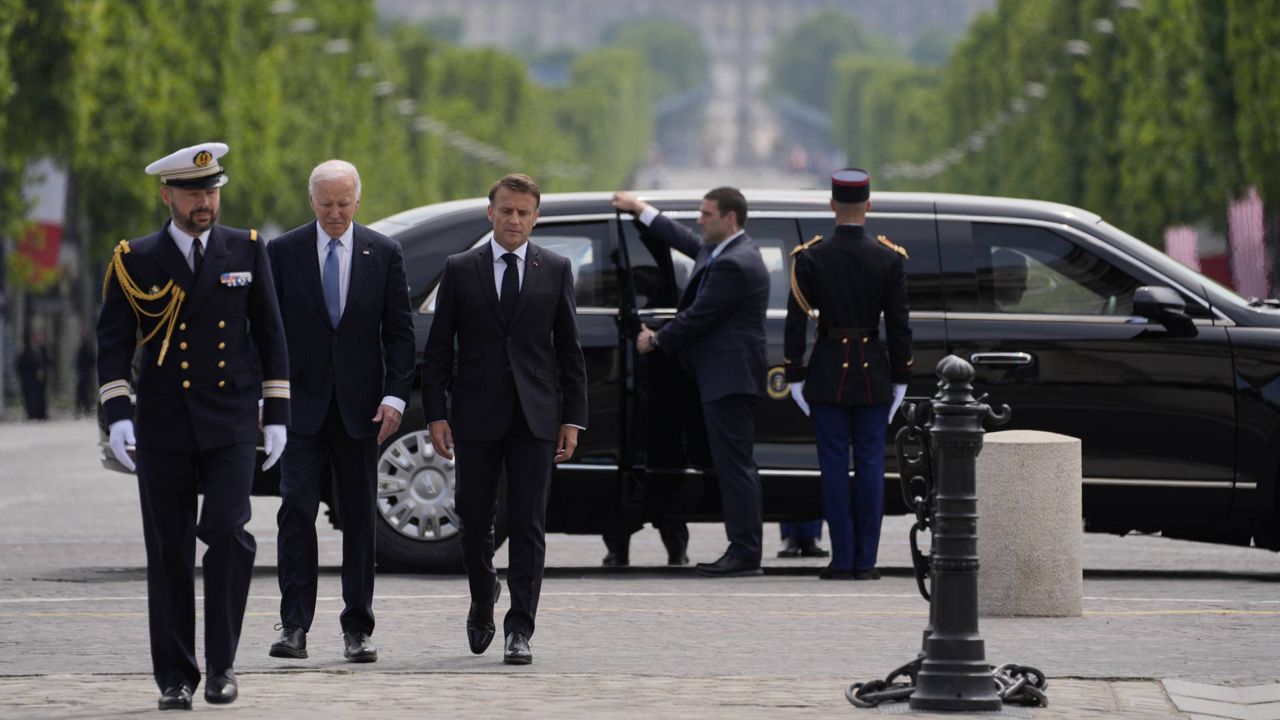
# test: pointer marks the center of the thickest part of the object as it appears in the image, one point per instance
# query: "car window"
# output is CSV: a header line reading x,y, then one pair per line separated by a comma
x,y
660,273
1026,269
586,246
918,236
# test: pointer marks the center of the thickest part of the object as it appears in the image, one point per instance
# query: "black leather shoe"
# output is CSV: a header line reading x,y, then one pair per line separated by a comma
x,y
809,547
480,629
615,560
790,548
872,574
220,687
729,566
831,573
517,650
292,643
358,648
177,697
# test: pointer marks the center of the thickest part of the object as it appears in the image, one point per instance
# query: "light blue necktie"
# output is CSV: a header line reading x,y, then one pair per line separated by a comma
x,y
329,281
702,279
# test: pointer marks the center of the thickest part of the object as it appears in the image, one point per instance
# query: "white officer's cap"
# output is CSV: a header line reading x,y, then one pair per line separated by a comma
x,y
194,167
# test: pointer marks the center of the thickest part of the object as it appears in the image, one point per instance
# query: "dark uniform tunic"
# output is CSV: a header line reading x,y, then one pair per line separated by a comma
x,y
850,280
216,337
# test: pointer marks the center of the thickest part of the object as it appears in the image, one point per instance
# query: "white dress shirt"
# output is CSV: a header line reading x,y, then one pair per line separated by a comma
x,y
344,250
500,265
187,244
344,259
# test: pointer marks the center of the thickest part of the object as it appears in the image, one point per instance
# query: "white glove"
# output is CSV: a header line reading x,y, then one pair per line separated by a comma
x,y
274,438
797,394
899,392
121,435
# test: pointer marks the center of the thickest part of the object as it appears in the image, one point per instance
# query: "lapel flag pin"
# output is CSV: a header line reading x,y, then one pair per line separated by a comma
x,y
366,252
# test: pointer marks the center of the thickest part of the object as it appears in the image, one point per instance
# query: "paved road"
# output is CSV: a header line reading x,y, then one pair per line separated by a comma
x,y
73,639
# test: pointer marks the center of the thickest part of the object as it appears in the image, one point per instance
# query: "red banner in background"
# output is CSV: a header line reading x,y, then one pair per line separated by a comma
x,y
39,246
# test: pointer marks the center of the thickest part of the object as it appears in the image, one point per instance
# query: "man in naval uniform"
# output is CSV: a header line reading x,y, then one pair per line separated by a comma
x,y
854,380
199,298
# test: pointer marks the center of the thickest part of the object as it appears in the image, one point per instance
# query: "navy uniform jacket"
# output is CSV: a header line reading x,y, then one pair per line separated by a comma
x,y
225,339
369,355
850,279
538,357
718,333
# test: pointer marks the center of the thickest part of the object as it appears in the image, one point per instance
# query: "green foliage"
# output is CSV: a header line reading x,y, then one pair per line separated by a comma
x,y
104,87
933,46
1157,117
802,60
672,52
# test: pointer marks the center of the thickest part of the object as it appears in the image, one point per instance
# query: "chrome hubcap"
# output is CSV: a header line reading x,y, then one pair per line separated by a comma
x,y
415,489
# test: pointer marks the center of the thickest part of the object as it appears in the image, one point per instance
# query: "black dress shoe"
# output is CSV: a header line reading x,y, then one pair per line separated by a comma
x,y
292,643
832,573
517,650
730,566
177,697
358,648
809,547
480,629
220,687
872,574
615,560
790,548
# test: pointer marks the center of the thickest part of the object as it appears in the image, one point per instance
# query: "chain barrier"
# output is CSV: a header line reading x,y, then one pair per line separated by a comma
x,y
1015,685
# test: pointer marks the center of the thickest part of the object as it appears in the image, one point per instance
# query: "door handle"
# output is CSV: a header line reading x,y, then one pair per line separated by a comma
x,y
1002,358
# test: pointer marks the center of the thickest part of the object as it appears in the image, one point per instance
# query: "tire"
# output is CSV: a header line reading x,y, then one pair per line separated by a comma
x,y
417,527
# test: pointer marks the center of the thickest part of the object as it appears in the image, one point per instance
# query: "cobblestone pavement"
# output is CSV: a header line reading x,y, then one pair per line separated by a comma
x,y
643,642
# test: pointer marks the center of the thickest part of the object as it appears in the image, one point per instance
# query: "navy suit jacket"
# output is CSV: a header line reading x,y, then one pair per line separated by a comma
x,y
538,358
369,354
226,347
718,333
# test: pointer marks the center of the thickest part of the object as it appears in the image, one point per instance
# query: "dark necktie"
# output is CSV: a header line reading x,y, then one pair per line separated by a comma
x,y
197,257
329,283
702,278
510,287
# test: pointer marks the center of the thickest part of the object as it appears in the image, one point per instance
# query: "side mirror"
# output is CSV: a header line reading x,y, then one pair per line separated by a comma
x,y
1165,306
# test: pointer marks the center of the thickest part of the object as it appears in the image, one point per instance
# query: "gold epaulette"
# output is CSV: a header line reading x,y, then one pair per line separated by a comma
x,y
806,245
135,296
801,300
253,235
894,247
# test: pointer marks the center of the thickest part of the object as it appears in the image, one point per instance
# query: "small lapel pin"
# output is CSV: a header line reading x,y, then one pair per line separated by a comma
x,y
366,252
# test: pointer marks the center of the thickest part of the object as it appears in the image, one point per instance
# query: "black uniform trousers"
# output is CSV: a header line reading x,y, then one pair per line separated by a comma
x,y
167,487
528,462
305,469
730,422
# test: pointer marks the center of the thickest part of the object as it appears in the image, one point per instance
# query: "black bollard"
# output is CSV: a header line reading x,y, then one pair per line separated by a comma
x,y
955,675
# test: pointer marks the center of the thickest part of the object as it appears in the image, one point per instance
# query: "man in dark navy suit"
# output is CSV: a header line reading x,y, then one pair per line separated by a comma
x,y
516,401
345,304
854,379
201,296
718,334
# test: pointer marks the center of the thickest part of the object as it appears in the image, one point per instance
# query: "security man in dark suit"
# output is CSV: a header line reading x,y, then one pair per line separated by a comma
x,y
718,334
201,297
516,401
345,304
854,380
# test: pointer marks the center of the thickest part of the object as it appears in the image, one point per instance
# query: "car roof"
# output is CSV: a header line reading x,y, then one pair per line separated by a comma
x,y
594,203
